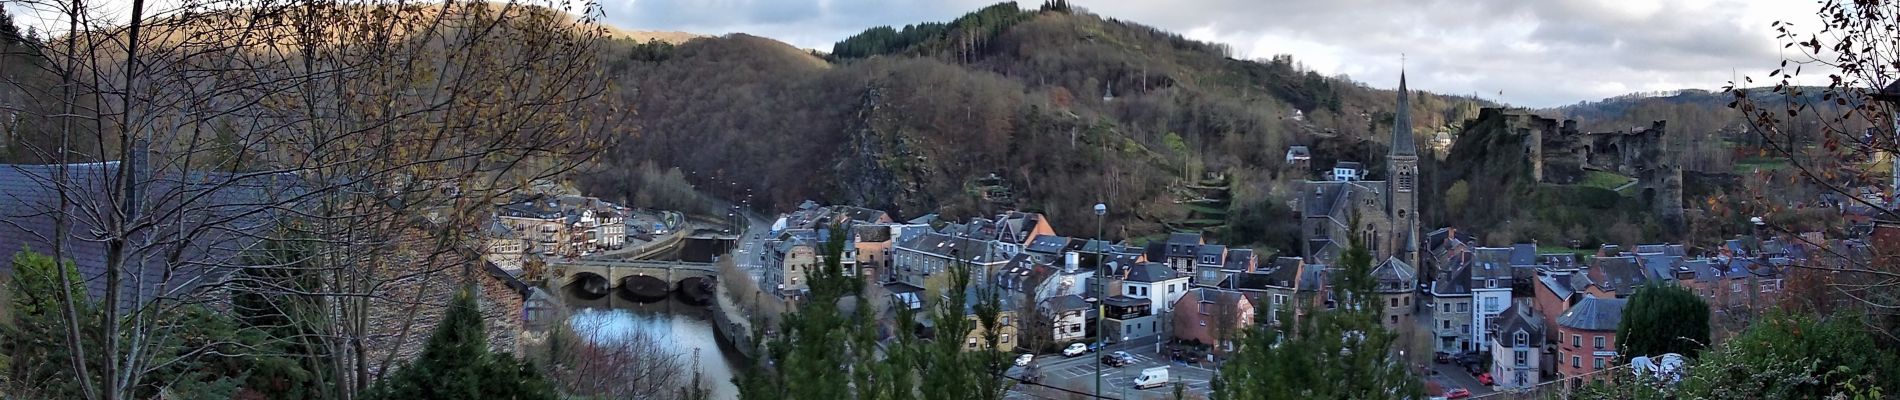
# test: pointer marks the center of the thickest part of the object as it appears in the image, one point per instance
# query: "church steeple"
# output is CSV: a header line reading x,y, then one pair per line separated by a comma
x,y
1402,122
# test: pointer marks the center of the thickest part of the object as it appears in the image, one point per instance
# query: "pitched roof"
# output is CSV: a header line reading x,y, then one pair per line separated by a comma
x,y
1149,273
1518,318
1594,314
1394,271
1069,302
1402,123
1524,254
1239,259
1620,274
1456,282
1048,244
1491,263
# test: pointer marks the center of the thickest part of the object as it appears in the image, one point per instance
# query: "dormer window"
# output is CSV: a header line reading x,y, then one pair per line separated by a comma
x,y
1522,339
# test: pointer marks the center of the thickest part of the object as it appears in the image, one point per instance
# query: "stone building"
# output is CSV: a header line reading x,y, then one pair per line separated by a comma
x,y
1385,212
1561,154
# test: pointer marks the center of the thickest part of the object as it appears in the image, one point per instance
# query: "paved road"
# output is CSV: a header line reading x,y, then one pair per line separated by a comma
x,y
1077,374
1449,375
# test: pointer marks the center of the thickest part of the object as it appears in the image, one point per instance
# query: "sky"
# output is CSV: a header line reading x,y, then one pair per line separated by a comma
x,y
1534,53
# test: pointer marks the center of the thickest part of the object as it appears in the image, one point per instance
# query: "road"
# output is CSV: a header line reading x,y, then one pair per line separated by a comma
x,y
1448,375
1077,374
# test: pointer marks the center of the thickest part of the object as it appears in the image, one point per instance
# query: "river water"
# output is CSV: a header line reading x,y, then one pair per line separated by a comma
x,y
686,330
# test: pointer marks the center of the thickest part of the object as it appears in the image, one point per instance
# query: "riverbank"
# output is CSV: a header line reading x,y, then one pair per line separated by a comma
x,y
732,325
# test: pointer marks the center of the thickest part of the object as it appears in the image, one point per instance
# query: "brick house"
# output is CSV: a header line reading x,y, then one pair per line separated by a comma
x,y
1212,317
1587,339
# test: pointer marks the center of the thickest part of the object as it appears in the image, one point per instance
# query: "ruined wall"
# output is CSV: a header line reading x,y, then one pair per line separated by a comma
x,y
1560,154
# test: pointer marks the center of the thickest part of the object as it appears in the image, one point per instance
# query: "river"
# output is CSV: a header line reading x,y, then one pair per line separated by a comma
x,y
684,328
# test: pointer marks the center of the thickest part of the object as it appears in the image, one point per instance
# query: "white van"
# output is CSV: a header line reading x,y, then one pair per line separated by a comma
x,y
1152,378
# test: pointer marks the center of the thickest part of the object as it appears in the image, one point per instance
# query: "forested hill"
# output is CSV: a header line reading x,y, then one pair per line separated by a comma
x,y
1065,108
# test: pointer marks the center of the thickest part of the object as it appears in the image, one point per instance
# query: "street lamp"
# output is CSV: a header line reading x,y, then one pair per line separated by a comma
x,y
1101,294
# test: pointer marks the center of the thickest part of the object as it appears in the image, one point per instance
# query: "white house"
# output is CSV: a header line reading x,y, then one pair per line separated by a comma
x,y
1068,317
1157,282
1490,290
1515,349
1347,171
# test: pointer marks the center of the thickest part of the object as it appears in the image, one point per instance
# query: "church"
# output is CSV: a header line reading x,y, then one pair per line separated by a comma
x,y
1344,210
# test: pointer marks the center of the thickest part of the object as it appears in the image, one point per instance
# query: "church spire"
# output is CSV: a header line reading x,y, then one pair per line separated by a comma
x,y
1402,122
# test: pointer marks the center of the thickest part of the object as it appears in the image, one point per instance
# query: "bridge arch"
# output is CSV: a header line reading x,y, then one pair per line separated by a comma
x,y
644,287
589,284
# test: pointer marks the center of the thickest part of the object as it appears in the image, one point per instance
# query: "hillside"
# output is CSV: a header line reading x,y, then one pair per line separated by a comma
x,y
1065,109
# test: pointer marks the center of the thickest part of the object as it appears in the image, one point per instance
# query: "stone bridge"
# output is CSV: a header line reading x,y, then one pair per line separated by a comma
x,y
642,280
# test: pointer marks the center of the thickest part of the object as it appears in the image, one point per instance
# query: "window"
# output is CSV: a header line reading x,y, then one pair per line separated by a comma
x,y
1520,379
1596,362
1523,357
1005,338
1395,303
1491,304
1576,340
1395,320
1522,338
1444,307
971,342
1598,342
1004,320
1408,301
1464,307
1446,324
1279,299
1576,362
1204,322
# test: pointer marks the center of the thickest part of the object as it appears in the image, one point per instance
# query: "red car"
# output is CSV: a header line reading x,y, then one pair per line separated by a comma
x,y
1458,393
1485,379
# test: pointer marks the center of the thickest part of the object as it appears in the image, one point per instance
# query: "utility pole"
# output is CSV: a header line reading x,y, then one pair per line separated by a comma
x,y
1101,292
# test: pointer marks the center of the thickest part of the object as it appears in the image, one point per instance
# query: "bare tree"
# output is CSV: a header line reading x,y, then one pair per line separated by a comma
x,y
378,134
1831,136
617,363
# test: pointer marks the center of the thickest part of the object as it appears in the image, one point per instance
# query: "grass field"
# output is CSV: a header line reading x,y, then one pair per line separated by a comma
x,y
1606,180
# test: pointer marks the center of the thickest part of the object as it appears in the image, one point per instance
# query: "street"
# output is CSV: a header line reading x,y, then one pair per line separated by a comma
x,y
1077,374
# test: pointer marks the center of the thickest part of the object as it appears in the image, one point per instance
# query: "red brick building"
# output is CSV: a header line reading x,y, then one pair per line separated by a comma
x,y
1586,339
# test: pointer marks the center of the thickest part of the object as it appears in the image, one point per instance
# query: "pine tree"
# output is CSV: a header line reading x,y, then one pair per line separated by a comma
x,y
456,364
1663,319
1339,354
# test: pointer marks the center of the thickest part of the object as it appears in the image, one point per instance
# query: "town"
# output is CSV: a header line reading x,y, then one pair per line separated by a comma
x,y
684,200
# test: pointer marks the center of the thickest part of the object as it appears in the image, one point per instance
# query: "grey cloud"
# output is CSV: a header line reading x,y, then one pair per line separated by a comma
x,y
1538,52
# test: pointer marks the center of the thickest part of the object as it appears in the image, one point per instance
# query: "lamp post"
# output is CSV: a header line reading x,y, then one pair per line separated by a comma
x,y
1101,293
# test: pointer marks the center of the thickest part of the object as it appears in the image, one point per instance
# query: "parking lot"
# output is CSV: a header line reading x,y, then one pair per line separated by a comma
x,y
1077,375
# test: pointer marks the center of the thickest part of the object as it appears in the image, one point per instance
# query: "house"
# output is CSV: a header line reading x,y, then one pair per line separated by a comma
x,y
1490,290
1557,291
1299,157
921,260
1181,252
1450,293
1038,278
540,222
1128,318
871,247
502,246
1209,260
1619,275
1007,335
1155,282
1347,171
1068,317
1276,286
1213,317
1516,349
788,261
1397,283
1587,338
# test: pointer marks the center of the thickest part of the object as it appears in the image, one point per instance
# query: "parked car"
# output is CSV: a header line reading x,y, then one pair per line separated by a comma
x,y
1023,360
1095,346
1485,379
1075,350
1118,359
1441,357
1152,378
1457,393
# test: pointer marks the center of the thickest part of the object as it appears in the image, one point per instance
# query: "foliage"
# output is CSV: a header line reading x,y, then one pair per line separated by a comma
x,y
972,32
457,364
1338,354
1662,319
1794,356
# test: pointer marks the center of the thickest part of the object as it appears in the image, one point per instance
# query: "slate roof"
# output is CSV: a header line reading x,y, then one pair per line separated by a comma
x,y
1239,259
1312,278
1069,302
1354,165
1048,244
1519,318
1619,274
941,245
1558,284
1559,260
1024,272
1149,273
1396,272
1593,314
225,212
1456,282
1491,263
1524,254
1212,250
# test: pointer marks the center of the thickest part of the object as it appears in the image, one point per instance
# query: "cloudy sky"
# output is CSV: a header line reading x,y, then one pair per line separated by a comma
x,y
1525,52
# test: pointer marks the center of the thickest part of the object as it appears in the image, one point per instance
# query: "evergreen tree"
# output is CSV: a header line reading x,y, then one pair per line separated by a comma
x,y
1338,354
456,364
1662,319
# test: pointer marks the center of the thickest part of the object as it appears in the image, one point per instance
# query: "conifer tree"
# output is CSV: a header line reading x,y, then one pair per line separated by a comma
x,y
456,364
